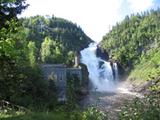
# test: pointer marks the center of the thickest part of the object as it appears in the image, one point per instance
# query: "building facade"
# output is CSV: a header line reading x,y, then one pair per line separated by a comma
x,y
58,73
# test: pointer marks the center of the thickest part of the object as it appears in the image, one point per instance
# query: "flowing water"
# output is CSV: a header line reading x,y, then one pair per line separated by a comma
x,y
115,66
102,74
107,93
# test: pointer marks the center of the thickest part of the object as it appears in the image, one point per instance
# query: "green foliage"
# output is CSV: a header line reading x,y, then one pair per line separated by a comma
x,y
32,53
34,116
51,51
70,58
24,44
135,43
149,66
5,114
20,78
46,50
93,114
12,41
64,34
12,58
90,113
61,30
9,9
71,92
147,108
40,39
134,36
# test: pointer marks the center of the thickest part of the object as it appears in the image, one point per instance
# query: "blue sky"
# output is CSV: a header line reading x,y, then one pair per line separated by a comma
x,y
94,16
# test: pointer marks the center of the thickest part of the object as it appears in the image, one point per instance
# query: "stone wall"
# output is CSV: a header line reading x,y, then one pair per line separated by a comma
x,y
75,71
58,73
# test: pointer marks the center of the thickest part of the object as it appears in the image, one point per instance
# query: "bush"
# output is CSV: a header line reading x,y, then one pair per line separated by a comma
x,y
93,114
147,108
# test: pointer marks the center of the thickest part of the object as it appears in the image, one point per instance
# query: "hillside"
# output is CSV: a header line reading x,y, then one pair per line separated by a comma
x,y
59,29
63,37
135,43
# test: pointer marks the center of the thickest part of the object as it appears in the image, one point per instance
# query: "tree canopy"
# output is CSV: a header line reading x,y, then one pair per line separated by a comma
x,y
55,38
9,9
69,34
133,37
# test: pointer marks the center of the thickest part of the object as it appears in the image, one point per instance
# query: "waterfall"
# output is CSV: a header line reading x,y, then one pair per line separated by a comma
x,y
100,72
115,67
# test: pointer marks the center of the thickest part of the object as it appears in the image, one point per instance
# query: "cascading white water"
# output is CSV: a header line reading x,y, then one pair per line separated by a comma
x,y
116,71
100,71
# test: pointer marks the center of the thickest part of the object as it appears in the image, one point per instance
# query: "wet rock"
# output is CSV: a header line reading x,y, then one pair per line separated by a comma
x,y
102,54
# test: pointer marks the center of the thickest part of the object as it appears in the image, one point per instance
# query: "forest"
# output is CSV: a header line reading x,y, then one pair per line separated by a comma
x,y
55,39
26,43
135,44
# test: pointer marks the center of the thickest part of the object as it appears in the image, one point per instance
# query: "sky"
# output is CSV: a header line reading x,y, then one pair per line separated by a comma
x,y
95,17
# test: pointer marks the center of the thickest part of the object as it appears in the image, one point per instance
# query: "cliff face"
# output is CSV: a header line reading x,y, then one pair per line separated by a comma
x,y
102,54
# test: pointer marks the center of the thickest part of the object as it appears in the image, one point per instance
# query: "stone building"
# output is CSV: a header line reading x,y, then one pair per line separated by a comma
x,y
58,73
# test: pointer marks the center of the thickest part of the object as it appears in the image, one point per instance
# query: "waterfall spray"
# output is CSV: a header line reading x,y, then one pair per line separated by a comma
x,y
100,71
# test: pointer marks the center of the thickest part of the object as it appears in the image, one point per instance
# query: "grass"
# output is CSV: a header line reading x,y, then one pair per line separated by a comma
x,y
91,113
148,68
34,116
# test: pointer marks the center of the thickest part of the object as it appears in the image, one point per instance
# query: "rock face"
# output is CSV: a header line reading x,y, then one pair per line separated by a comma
x,y
102,54
58,73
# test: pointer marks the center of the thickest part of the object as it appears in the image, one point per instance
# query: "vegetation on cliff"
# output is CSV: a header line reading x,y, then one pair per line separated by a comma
x,y
135,43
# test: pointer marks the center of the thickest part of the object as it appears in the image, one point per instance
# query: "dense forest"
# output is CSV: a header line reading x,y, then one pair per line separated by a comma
x,y
136,41
135,44
56,39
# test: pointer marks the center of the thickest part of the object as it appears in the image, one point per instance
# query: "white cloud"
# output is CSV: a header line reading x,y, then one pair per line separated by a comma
x,y
94,16
140,5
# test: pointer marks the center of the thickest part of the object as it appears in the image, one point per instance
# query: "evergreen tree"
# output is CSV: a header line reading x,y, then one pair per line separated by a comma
x,y
9,9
